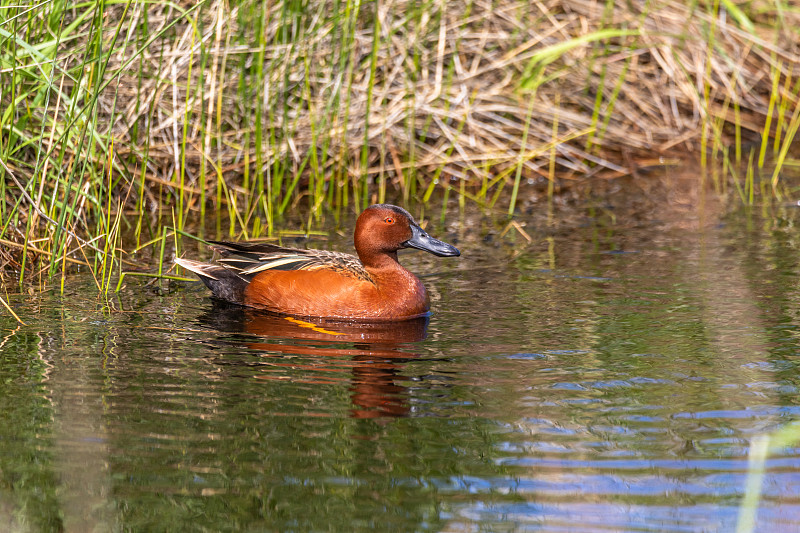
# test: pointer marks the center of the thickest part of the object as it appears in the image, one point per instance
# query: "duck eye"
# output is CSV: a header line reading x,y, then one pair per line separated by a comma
x,y
389,220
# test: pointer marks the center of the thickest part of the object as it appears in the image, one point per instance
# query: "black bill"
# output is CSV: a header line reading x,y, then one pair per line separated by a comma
x,y
422,241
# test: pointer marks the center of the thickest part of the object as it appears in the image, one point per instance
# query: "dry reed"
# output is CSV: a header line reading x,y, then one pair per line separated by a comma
x,y
252,107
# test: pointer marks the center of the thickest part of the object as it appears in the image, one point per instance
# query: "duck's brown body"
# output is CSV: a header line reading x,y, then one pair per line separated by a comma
x,y
392,294
329,284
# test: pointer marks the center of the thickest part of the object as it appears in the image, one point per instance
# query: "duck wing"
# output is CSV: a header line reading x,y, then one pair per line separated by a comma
x,y
248,259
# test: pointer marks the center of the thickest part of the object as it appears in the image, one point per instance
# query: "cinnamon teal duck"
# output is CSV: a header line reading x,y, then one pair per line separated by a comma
x,y
319,283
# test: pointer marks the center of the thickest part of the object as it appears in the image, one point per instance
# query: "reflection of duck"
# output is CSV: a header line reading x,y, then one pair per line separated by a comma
x,y
372,351
319,283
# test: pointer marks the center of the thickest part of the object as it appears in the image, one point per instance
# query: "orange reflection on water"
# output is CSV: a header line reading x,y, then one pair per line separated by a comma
x,y
373,353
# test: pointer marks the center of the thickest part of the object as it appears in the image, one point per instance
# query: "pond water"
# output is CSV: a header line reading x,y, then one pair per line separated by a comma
x,y
608,375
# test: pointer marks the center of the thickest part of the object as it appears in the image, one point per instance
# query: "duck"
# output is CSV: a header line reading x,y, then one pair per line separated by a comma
x,y
373,286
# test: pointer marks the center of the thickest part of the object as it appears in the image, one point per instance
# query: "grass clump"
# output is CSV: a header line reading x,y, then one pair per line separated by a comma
x,y
117,116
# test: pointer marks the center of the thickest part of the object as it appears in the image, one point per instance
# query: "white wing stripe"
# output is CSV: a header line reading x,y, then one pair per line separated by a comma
x,y
275,264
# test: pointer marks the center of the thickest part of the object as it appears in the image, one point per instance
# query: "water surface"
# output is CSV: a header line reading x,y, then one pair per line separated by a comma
x,y
609,375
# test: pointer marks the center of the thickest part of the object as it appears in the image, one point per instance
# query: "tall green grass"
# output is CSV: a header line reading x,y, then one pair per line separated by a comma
x,y
121,119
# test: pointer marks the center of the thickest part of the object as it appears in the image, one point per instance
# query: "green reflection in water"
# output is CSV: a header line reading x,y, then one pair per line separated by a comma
x,y
606,378
28,494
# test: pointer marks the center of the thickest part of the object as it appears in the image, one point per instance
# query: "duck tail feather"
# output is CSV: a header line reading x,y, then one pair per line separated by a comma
x,y
224,283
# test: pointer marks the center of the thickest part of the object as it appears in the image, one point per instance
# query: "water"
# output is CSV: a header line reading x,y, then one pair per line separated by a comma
x,y
608,376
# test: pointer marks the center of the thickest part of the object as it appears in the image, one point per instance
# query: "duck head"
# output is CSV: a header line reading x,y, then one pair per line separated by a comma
x,y
382,229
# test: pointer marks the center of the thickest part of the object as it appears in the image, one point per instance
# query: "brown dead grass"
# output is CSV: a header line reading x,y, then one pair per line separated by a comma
x,y
474,95
448,94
